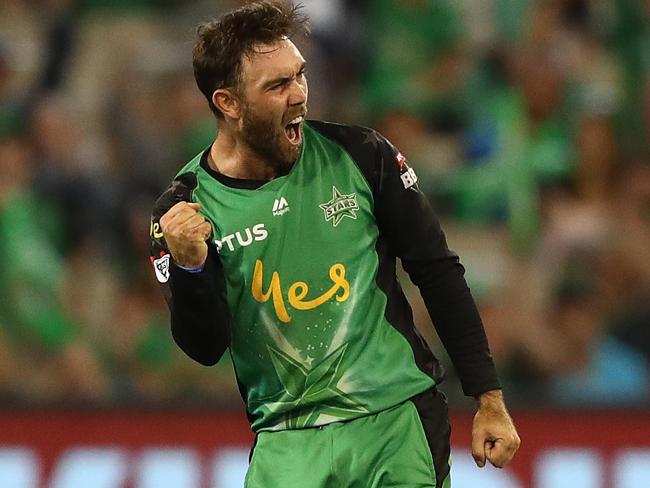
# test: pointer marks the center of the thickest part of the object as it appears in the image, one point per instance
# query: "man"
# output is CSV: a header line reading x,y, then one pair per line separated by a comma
x,y
279,242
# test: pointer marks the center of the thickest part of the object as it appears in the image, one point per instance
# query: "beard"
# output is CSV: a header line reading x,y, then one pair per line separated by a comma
x,y
266,136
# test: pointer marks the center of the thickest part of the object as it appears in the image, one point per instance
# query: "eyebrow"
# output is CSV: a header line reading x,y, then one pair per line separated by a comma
x,y
282,79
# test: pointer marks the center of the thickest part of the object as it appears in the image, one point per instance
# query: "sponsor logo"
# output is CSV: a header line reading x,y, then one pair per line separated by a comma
x,y
409,178
242,238
400,160
155,231
161,267
280,207
298,291
340,206
407,175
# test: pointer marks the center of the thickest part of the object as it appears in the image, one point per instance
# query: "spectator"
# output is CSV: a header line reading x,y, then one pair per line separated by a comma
x,y
30,281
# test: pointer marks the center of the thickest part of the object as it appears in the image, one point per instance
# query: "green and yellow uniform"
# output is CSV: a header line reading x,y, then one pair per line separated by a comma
x,y
300,286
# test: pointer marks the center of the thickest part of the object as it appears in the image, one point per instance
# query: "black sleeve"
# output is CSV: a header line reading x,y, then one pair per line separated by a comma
x,y
407,221
200,319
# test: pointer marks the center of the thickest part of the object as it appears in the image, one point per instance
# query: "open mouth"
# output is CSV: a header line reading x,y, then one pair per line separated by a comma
x,y
292,130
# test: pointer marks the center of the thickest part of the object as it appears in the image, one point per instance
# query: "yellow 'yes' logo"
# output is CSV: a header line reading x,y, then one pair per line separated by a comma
x,y
297,291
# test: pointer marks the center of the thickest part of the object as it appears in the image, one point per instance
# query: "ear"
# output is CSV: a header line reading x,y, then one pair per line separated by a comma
x,y
227,102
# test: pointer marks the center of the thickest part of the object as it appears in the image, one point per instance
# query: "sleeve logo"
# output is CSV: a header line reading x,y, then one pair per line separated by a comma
x,y
409,178
155,230
400,160
161,268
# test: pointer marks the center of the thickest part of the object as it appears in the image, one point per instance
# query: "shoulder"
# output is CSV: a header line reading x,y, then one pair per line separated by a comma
x,y
367,147
375,155
180,189
354,137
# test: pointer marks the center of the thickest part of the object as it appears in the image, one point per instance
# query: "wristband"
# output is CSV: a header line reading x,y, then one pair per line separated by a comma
x,y
196,269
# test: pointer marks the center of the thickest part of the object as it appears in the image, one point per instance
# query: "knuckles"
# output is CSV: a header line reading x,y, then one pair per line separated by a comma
x,y
174,222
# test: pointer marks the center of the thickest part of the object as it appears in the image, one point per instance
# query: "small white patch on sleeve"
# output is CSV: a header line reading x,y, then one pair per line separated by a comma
x,y
161,267
409,178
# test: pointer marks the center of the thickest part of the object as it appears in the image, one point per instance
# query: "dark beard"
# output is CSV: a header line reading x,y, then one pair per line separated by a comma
x,y
261,134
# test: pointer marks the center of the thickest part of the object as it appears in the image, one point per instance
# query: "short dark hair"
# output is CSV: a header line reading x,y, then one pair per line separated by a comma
x,y
221,43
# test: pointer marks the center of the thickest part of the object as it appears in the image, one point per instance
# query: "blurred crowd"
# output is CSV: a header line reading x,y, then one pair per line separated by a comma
x,y
527,122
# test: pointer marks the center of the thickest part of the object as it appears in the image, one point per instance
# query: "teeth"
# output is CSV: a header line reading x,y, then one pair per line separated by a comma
x,y
297,120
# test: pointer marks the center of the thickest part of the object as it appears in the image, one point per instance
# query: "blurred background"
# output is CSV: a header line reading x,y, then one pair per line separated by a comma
x,y
527,122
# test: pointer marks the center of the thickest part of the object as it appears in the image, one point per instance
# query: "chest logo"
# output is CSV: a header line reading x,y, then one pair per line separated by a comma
x,y
280,206
242,238
340,206
298,291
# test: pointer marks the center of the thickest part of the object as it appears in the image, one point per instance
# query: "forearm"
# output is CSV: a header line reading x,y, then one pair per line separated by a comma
x,y
200,319
457,321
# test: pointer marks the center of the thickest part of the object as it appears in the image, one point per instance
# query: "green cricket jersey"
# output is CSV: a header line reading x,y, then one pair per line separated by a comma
x,y
300,283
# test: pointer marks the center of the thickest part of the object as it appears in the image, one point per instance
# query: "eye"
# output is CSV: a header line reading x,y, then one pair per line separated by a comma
x,y
280,84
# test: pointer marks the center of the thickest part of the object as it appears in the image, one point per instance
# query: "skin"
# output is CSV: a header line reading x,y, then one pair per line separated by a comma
x,y
494,436
252,144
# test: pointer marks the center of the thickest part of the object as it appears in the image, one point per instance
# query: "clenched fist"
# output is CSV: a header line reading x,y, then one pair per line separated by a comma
x,y
186,232
494,436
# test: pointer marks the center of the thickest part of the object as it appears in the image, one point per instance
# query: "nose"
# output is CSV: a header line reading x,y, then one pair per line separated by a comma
x,y
299,92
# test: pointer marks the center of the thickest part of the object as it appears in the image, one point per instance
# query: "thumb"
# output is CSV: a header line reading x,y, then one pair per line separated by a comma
x,y
478,450
195,206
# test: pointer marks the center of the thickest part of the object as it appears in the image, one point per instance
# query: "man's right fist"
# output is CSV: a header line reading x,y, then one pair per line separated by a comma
x,y
186,232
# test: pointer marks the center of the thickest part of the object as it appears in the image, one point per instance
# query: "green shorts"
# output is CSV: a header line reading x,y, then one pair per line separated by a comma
x,y
404,446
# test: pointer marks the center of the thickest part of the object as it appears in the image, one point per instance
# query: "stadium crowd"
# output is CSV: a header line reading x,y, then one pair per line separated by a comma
x,y
527,122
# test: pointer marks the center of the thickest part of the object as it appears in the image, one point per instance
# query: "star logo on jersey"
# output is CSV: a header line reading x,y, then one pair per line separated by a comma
x,y
312,392
340,206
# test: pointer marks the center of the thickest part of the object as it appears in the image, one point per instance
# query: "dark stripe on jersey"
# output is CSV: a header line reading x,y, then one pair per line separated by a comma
x,y
431,406
398,313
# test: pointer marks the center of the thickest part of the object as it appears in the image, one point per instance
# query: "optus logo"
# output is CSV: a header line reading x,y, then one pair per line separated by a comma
x,y
242,238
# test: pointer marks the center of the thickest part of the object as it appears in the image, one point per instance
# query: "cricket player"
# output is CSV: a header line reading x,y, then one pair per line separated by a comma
x,y
279,243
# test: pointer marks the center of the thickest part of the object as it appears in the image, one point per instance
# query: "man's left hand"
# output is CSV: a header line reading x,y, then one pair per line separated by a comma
x,y
494,436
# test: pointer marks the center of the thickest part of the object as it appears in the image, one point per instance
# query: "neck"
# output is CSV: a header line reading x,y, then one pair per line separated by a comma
x,y
232,157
